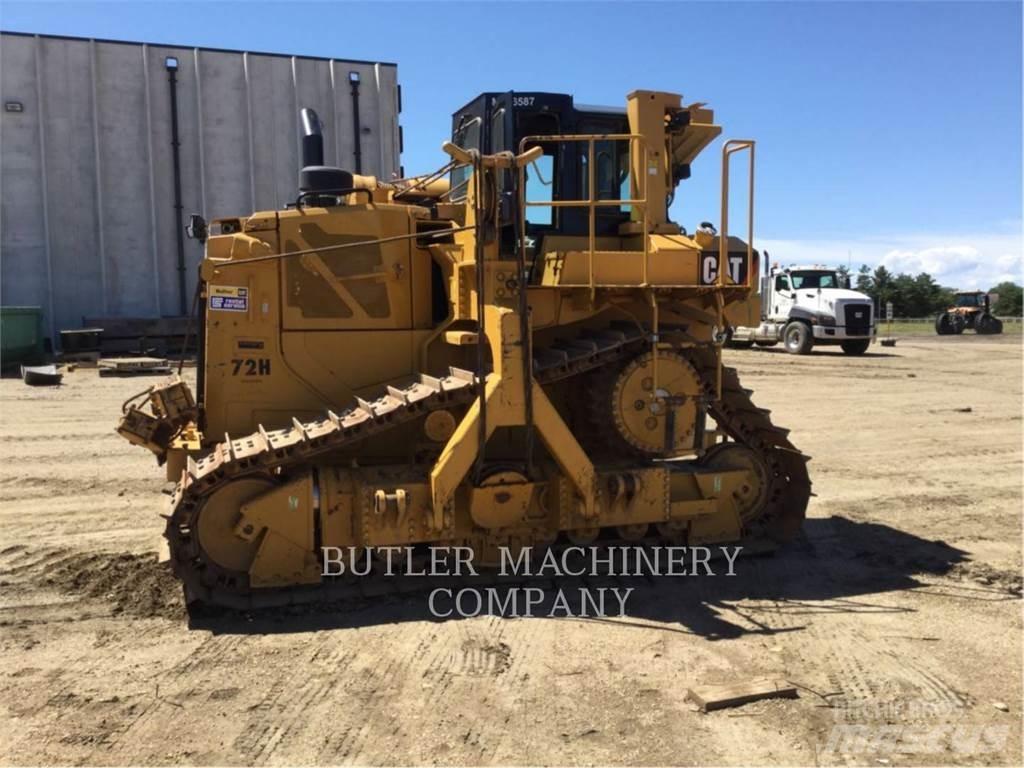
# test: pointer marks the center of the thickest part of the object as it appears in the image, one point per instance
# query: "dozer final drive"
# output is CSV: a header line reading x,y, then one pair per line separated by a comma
x,y
517,350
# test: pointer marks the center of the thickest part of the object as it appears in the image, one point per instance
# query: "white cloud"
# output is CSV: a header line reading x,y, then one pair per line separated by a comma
x,y
964,261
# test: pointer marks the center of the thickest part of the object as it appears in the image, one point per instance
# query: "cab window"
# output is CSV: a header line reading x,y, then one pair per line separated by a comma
x,y
781,283
540,176
467,136
611,162
498,130
968,300
814,279
624,192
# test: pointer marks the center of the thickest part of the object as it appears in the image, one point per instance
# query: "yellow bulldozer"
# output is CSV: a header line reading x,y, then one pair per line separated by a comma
x,y
519,350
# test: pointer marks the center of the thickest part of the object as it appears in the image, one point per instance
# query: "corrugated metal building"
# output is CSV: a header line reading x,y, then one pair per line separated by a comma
x,y
88,221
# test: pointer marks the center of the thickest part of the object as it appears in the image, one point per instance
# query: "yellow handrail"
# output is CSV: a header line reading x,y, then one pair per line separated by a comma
x,y
592,203
730,148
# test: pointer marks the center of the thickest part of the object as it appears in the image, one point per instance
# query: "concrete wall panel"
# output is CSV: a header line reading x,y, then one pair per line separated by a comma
x,y
87,218
23,231
124,193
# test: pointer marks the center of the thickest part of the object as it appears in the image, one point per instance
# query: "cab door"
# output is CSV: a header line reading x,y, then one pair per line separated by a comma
x,y
782,296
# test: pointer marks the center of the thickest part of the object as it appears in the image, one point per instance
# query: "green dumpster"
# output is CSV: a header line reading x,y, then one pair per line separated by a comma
x,y
21,336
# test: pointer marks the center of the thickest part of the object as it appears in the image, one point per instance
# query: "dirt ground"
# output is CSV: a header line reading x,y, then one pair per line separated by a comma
x,y
898,612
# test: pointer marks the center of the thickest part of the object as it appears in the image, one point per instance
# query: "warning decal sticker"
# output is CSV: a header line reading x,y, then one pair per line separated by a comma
x,y
227,298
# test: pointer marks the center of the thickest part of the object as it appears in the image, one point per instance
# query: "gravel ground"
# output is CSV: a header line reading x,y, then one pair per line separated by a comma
x,y
898,613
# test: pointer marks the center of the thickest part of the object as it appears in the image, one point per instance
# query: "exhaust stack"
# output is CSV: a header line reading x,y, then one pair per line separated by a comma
x,y
315,176
312,138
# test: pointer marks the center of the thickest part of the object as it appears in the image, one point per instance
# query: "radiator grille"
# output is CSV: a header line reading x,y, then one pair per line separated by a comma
x,y
857,319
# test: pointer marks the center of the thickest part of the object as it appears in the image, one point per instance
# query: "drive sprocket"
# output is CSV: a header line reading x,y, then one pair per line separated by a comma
x,y
655,407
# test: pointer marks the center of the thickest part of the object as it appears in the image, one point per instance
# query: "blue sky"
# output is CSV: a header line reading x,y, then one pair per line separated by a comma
x,y
887,133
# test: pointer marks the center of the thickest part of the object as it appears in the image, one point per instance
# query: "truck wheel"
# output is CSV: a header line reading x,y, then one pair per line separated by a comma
x,y
798,338
855,347
943,324
958,324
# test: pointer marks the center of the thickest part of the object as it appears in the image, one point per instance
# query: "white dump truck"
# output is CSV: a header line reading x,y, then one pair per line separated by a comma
x,y
804,306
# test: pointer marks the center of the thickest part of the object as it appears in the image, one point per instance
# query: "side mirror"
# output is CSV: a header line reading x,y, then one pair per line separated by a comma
x,y
196,228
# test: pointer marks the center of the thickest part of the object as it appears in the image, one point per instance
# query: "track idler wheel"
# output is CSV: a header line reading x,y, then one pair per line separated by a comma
x,y
750,498
216,523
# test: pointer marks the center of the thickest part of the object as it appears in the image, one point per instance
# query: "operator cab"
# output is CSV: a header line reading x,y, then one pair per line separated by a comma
x,y
497,122
970,300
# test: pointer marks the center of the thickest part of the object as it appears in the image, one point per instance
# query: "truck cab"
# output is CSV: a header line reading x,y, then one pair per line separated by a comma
x,y
804,306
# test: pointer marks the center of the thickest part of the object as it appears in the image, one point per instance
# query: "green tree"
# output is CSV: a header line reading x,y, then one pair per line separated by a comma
x,y
924,296
946,298
864,279
904,295
844,274
1010,299
883,286
911,295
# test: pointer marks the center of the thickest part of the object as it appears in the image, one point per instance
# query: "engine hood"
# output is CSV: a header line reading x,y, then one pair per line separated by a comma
x,y
833,294
826,299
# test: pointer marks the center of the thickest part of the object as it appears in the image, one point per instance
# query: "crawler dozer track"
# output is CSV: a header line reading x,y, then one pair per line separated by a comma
x,y
271,454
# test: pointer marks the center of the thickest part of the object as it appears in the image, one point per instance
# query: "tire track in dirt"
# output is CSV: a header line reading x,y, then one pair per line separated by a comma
x,y
211,653
285,712
25,563
471,654
368,689
281,713
214,652
508,651
86,720
449,660
365,678
856,669
822,640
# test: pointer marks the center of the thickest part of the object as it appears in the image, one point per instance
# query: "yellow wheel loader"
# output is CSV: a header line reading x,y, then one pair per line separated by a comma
x,y
519,350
